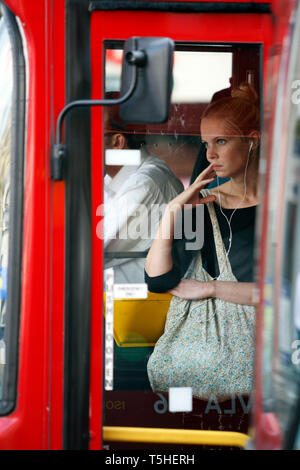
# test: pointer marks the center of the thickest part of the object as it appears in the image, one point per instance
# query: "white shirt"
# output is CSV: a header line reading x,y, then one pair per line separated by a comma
x,y
133,200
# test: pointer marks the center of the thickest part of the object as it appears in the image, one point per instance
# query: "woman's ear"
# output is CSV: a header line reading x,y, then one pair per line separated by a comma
x,y
118,141
254,137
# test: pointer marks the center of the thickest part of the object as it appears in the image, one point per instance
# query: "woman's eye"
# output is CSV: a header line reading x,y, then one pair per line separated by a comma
x,y
205,144
221,141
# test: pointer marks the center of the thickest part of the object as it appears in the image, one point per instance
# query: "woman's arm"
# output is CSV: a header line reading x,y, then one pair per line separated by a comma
x,y
239,293
159,259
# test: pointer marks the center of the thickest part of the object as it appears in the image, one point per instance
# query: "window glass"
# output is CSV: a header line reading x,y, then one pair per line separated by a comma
x,y
211,72
135,318
6,87
12,124
281,319
197,75
272,248
287,361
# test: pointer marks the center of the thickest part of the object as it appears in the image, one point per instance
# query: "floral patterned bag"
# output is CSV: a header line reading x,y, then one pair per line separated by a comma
x,y
207,344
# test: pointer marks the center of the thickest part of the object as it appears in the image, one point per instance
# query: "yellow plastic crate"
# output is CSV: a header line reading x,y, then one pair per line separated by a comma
x,y
140,322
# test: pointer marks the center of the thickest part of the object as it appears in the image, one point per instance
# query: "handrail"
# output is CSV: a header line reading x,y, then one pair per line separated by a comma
x,y
174,436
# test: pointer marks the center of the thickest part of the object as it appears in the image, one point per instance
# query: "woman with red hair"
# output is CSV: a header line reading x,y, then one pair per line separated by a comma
x,y
208,343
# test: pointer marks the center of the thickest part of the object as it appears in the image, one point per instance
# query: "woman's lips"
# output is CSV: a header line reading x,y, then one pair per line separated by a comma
x,y
217,167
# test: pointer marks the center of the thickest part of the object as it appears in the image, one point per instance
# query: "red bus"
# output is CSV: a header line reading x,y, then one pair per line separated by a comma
x,y
64,383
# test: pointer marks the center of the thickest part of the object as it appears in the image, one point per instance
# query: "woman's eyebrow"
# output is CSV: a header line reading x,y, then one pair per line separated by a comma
x,y
215,138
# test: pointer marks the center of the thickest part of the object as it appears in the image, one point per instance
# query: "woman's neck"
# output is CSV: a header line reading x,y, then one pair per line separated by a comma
x,y
233,193
239,186
237,189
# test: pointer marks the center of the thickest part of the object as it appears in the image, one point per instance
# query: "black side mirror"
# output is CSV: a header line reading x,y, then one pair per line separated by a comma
x,y
145,91
150,101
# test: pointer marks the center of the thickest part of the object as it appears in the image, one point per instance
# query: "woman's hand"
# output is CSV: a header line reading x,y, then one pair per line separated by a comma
x,y
191,194
191,289
159,259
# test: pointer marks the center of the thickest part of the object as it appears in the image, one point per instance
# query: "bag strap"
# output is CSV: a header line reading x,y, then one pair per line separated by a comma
x,y
223,261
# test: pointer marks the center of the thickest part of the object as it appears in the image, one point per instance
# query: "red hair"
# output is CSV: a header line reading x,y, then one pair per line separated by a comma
x,y
239,111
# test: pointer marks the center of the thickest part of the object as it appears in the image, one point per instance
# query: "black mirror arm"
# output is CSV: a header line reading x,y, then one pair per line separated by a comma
x,y
58,153
77,103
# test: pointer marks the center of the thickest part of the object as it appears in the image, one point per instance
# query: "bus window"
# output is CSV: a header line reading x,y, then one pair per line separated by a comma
x,y
281,315
5,146
12,101
146,166
177,142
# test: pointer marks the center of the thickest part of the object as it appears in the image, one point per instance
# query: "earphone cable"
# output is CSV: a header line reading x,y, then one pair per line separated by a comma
x,y
241,202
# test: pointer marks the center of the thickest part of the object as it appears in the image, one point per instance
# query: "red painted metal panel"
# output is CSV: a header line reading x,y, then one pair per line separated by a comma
x,y
96,370
56,97
40,380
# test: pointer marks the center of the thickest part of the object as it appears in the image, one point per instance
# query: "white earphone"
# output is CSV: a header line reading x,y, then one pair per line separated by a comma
x,y
241,202
229,220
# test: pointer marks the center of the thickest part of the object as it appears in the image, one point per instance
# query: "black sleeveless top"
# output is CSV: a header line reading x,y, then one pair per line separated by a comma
x,y
241,255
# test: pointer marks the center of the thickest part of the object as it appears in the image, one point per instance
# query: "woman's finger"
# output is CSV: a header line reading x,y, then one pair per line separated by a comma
x,y
192,191
205,172
201,183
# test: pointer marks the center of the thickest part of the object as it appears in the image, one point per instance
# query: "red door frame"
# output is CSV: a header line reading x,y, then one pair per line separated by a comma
x,y
207,28
36,422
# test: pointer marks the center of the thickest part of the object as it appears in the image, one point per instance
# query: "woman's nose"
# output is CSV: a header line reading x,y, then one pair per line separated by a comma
x,y
211,151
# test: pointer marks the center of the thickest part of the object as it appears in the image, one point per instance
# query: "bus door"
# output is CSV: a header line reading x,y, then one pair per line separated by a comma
x,y
137,167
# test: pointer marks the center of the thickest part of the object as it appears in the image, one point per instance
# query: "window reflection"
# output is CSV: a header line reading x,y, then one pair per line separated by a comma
x,y
281,314
6,82
211,72
138,323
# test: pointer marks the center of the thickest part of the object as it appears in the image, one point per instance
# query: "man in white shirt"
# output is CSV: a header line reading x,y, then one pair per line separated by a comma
x,y
133,201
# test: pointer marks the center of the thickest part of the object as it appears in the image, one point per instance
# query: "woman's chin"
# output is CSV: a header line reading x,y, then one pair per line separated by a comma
x,y
222,173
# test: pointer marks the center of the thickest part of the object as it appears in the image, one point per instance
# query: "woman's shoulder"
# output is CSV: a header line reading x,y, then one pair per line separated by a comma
x,y
225,200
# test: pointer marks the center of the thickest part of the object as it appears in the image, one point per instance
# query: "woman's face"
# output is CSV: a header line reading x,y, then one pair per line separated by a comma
x,y
226,151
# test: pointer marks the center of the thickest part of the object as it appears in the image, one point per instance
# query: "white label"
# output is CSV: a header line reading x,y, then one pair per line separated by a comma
x,y
180,399
109,331
122,157
130,291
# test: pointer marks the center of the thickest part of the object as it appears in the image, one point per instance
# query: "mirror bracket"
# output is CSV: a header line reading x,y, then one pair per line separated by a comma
x,y
138,58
